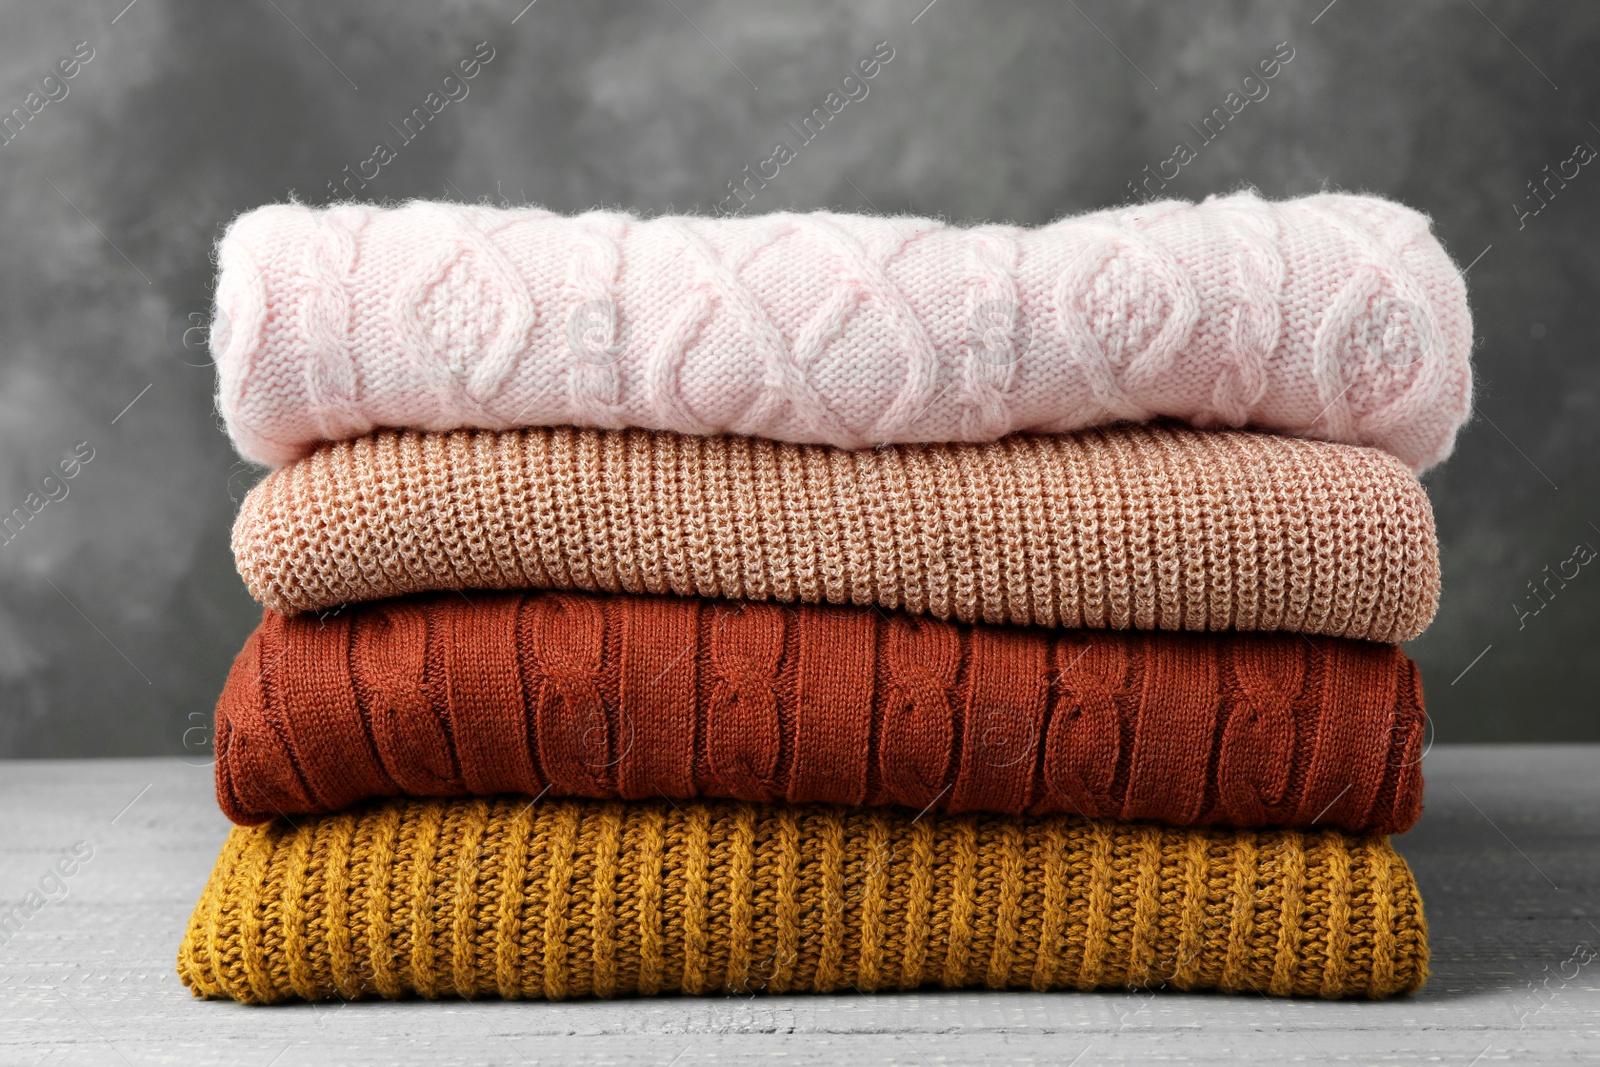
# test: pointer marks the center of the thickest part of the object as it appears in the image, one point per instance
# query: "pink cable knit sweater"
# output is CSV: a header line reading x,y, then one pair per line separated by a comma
x,y
1332,316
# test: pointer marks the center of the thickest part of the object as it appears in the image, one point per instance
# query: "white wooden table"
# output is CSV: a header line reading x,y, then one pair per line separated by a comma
x,y
1507,854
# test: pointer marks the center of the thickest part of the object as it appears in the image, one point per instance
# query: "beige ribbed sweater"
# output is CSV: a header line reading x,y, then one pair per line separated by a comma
x,y
1145,527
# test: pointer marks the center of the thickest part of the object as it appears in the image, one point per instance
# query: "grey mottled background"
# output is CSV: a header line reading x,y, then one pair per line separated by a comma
x,y
119,607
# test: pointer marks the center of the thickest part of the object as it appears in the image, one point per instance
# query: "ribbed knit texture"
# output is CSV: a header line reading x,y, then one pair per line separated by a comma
x,y
512,898
623,696
1151,527
1331,316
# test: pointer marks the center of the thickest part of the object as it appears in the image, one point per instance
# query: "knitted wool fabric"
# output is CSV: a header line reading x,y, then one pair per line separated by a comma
x,y
512,898
1152,527
1332,316
632,697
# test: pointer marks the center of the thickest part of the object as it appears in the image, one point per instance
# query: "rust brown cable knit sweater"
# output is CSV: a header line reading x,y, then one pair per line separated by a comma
x,y
632,697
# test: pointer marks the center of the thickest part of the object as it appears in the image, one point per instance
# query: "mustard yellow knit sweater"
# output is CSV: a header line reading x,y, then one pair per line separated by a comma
x,y
500,896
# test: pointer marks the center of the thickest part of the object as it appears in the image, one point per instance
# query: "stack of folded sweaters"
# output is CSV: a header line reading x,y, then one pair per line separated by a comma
x,y
820,602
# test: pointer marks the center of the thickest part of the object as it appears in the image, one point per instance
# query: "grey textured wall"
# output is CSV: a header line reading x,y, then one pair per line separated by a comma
x,y
119,608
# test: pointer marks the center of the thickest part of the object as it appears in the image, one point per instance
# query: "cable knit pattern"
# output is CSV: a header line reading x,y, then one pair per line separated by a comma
x,y
630,697
1147,527
1332,316
556,899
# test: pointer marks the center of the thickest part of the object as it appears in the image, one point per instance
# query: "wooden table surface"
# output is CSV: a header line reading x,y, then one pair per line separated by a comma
x,y
1507,855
